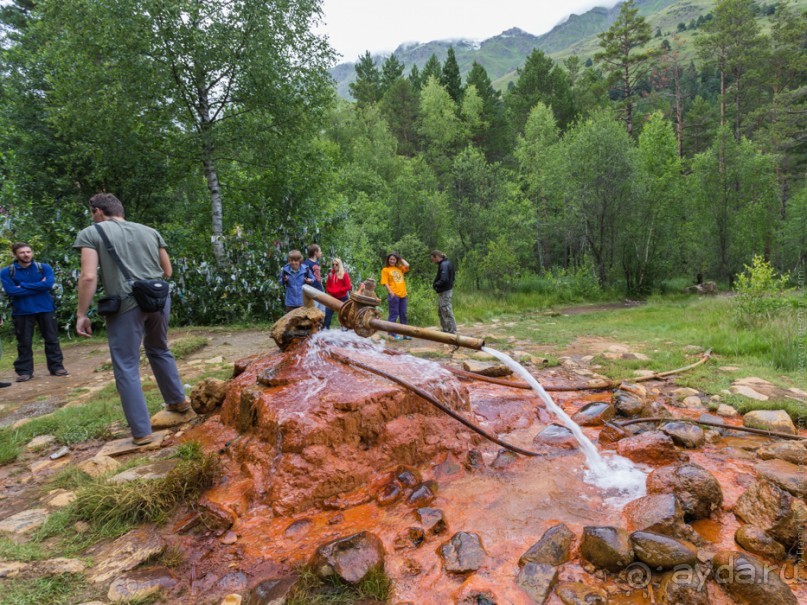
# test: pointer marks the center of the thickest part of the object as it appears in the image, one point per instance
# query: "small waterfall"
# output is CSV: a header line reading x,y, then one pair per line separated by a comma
x,y
612,473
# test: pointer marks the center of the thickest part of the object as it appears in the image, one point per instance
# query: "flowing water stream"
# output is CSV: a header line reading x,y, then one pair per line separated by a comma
x,y
613,473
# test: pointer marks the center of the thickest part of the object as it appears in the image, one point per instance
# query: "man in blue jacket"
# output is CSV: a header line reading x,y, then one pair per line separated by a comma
x,y
28,285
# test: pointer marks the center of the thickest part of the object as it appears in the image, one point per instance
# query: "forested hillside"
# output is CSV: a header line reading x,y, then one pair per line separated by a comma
x,y
665,156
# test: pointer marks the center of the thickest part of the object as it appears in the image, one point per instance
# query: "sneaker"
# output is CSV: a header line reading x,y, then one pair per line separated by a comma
x,y
179,408
60,372
407,338
4,385
395,337
24,377
144,440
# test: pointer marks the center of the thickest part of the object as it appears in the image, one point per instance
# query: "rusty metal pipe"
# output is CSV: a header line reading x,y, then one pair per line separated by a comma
x,y
359,314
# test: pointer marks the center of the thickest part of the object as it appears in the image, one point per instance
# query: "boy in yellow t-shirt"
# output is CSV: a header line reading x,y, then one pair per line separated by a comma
x,y
392,277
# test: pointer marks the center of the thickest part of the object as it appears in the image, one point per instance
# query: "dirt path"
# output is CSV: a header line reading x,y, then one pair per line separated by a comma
x,y
90,371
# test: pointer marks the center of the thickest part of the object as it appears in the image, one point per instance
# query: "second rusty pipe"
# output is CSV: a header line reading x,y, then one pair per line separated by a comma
x,y
370,322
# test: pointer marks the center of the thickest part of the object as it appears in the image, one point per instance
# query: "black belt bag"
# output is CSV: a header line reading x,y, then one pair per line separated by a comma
x,y
150,294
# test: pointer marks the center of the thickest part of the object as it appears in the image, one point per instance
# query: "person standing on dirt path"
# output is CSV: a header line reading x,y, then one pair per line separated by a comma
x,y
444,286
3,385
392,278
142,251
28,285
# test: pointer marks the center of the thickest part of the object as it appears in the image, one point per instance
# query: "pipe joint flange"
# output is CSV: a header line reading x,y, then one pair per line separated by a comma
x,y
363,317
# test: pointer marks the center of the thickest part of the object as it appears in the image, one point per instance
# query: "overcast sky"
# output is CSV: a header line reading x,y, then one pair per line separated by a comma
x,y
354,26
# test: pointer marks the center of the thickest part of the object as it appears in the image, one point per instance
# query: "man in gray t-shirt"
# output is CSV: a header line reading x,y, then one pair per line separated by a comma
x,y
142,251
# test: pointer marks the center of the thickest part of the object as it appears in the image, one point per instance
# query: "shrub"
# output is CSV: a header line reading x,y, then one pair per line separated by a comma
x,y
761,293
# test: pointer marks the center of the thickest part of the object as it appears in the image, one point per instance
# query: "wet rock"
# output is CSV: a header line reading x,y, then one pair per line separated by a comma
x,y
432,520
663,552
207,395
349,559
234,581
486,369
606,547
407,477
412,537
658,513
554,547
794,452
272,591
504,459
770,420
477,590
166,420
389,494
596,413
555,438
692,402
748,580
697,490
296,325
40,442
24,522
463,553
748,392
538,580
421,496
298,528
216,516
684,434
784,474
475,461
140,584
653,448
229,537
157,470
99,465
611,434
655,409
125,553
713,420
627,403
121,447
577,593
773,510
758,542
683,586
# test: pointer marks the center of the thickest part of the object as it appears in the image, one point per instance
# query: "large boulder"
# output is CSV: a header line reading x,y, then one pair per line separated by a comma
x,y
349,559
653,448
684,434
772,509
296,325
697,490
628,403
658,513
749,581
606,547
554,547
770,420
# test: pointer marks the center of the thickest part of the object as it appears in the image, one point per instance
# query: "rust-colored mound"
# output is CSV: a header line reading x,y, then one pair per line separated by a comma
x,y
306,429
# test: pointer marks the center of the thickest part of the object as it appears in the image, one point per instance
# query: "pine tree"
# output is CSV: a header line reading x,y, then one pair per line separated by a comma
x,y
391,70
626,66
367,87
415,78
450,77
494,140
432,69
540,80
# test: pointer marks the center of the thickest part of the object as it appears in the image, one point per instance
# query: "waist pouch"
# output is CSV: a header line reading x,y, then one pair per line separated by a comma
x,y
109,305
150,294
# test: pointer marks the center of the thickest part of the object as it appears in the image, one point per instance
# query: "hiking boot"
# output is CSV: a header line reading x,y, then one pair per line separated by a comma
x,y
4,385
179,408
24,377
60,372
144,440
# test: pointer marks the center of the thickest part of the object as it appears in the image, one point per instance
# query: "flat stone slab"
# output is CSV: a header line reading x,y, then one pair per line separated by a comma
x,y
157,470
24,522
747,391
120,447
98,465
125,553
40,442
10,569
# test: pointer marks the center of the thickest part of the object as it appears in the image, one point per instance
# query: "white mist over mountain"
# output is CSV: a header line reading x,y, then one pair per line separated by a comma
x,y
355,26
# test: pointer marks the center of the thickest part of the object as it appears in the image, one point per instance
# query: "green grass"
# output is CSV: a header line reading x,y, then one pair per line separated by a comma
x,y
62,589
188,345
310,590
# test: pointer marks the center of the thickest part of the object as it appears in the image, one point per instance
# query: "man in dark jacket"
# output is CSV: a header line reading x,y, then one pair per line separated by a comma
x,y
28,285
443,285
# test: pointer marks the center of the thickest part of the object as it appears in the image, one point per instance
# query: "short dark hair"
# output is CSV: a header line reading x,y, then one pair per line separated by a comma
x,y
312,250
17,245
108,204
438,254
